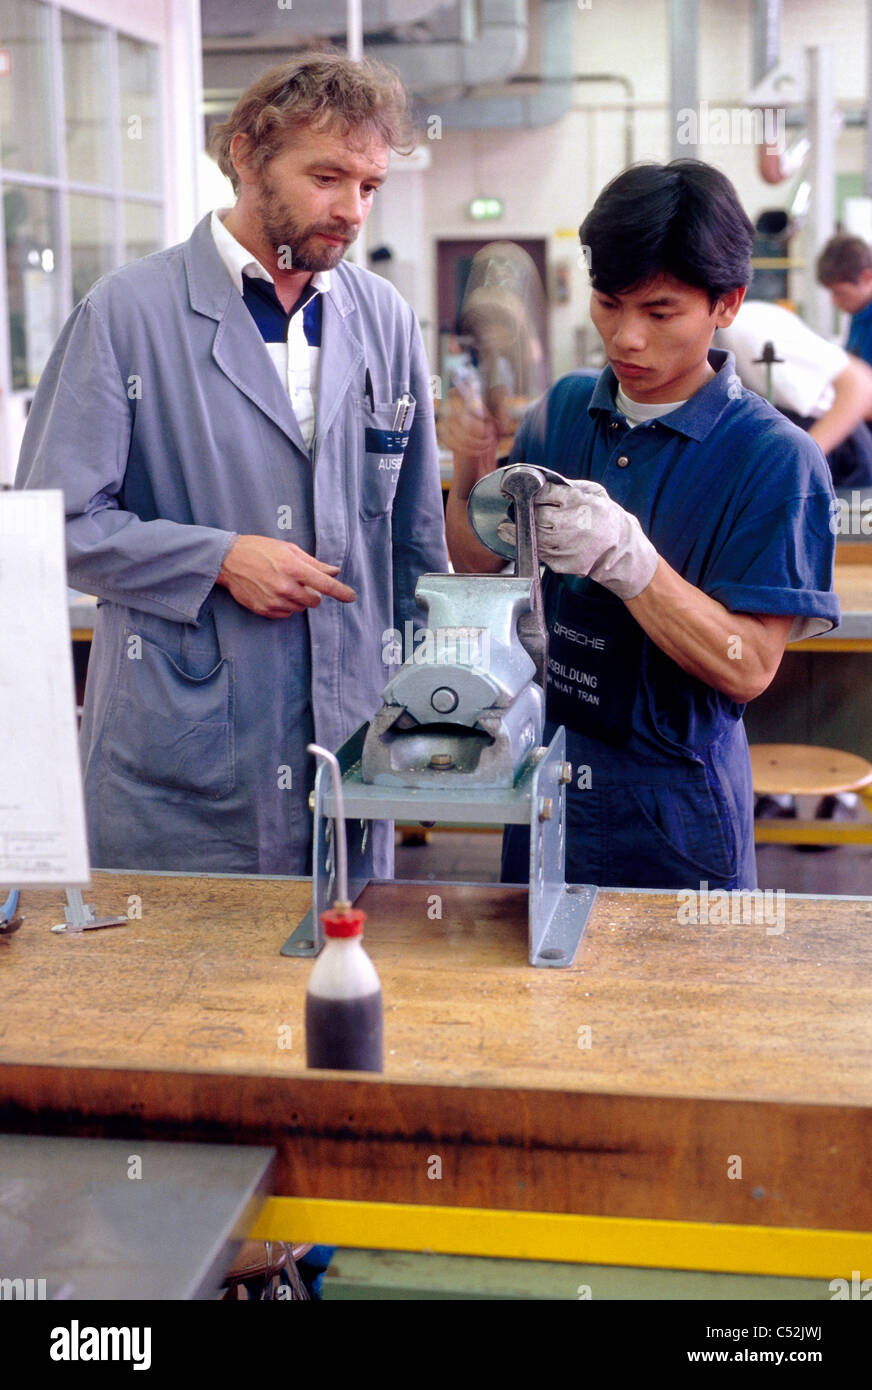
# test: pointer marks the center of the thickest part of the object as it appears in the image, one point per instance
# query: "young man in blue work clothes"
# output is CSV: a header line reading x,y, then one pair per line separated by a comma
x,y
844,267
690,541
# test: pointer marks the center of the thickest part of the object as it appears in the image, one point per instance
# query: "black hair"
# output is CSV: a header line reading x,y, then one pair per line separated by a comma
x,y
682,218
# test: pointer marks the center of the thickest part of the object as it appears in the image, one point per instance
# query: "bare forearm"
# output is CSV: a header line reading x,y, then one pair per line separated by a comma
x,y
468,555
471,435
837,424
852,403
736,653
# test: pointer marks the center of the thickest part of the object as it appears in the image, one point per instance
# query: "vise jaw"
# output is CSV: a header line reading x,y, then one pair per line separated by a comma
x,y
467,708
469,713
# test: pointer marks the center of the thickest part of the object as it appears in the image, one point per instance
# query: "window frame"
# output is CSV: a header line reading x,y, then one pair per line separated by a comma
x,y
62,187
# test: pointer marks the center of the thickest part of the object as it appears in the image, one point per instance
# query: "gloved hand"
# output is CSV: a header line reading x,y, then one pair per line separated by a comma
x,y
580,530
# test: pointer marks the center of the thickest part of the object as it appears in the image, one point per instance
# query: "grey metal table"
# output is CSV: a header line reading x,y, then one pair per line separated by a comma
x,y
74,1213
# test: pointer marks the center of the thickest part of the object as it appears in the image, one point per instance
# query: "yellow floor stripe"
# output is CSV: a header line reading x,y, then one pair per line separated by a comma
x,y
525,1235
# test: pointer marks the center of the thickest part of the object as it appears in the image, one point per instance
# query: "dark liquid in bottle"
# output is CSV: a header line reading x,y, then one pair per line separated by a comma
x,y
345,1034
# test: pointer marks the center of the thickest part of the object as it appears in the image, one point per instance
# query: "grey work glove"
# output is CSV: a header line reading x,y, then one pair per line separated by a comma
x,y
580,530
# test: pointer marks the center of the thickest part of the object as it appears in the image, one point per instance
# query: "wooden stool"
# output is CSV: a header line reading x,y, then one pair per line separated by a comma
x,y
798,769
260,1261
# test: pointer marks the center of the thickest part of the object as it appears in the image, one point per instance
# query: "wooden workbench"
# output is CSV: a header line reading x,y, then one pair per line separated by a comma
x,y
707,1042
852,581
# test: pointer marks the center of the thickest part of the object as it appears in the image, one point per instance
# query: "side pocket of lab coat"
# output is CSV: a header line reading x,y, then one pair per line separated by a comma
x,y
382,456
167,728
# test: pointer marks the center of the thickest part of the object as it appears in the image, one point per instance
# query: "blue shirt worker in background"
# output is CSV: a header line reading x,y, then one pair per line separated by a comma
x,y
844,267
691,541
219,417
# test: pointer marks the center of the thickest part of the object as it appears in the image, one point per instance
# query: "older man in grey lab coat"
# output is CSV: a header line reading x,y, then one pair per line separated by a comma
x,y
219,417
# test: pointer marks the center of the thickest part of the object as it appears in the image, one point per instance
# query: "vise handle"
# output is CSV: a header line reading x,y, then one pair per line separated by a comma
x,y
522,483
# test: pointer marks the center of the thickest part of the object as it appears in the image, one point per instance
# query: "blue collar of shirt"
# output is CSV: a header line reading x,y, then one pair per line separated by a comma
x,y
862,315
699,415
273,319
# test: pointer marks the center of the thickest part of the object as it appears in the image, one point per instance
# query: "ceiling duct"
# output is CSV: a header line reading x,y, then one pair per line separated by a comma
x,y
486,43
449,77
268,19
493,47
549,97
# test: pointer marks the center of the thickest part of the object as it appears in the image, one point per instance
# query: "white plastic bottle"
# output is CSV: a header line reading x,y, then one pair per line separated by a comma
x,y
344,1016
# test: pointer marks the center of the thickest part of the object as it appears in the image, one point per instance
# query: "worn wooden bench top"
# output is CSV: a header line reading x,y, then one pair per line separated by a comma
x,y
705,1040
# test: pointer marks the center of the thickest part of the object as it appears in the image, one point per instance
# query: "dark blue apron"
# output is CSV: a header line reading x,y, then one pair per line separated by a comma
x,y
594,659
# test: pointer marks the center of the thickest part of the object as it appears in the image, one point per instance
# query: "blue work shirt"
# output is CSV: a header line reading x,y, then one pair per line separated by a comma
x,y
737,500
860,334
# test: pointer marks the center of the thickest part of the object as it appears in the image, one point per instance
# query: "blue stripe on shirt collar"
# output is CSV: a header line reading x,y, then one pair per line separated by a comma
x,y
268,313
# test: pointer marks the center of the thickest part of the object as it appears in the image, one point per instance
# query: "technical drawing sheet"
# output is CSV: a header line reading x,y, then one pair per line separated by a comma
x,y
42,819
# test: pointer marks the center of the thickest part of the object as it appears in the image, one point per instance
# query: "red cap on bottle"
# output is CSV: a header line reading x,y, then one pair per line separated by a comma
x,y
343,921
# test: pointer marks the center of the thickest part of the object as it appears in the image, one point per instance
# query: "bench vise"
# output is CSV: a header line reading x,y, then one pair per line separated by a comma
x,y
458,738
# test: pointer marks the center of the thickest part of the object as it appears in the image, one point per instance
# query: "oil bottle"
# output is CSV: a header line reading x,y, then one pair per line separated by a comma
x,y
344,1016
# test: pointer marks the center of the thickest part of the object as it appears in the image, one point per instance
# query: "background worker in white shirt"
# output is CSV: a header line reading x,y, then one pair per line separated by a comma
x,y
816,384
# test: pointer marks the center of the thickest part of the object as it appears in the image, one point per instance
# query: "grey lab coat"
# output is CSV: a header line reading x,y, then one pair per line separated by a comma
x,y
165,423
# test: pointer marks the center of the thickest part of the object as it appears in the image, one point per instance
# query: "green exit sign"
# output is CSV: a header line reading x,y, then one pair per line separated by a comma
x,y
483,208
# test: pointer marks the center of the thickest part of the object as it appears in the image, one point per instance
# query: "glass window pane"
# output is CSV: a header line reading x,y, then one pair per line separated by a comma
x,y
140,126
143,230
33,281
26,99
91,241
86,100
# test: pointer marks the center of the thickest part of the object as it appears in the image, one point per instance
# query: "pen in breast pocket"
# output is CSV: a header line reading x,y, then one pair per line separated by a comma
x,y
403,406
368,391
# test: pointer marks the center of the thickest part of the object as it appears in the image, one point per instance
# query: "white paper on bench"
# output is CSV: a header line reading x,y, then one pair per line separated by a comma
x,y
42,819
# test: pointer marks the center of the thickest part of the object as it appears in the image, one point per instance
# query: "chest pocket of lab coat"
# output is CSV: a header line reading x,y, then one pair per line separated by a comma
x,y
170,729
383,451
